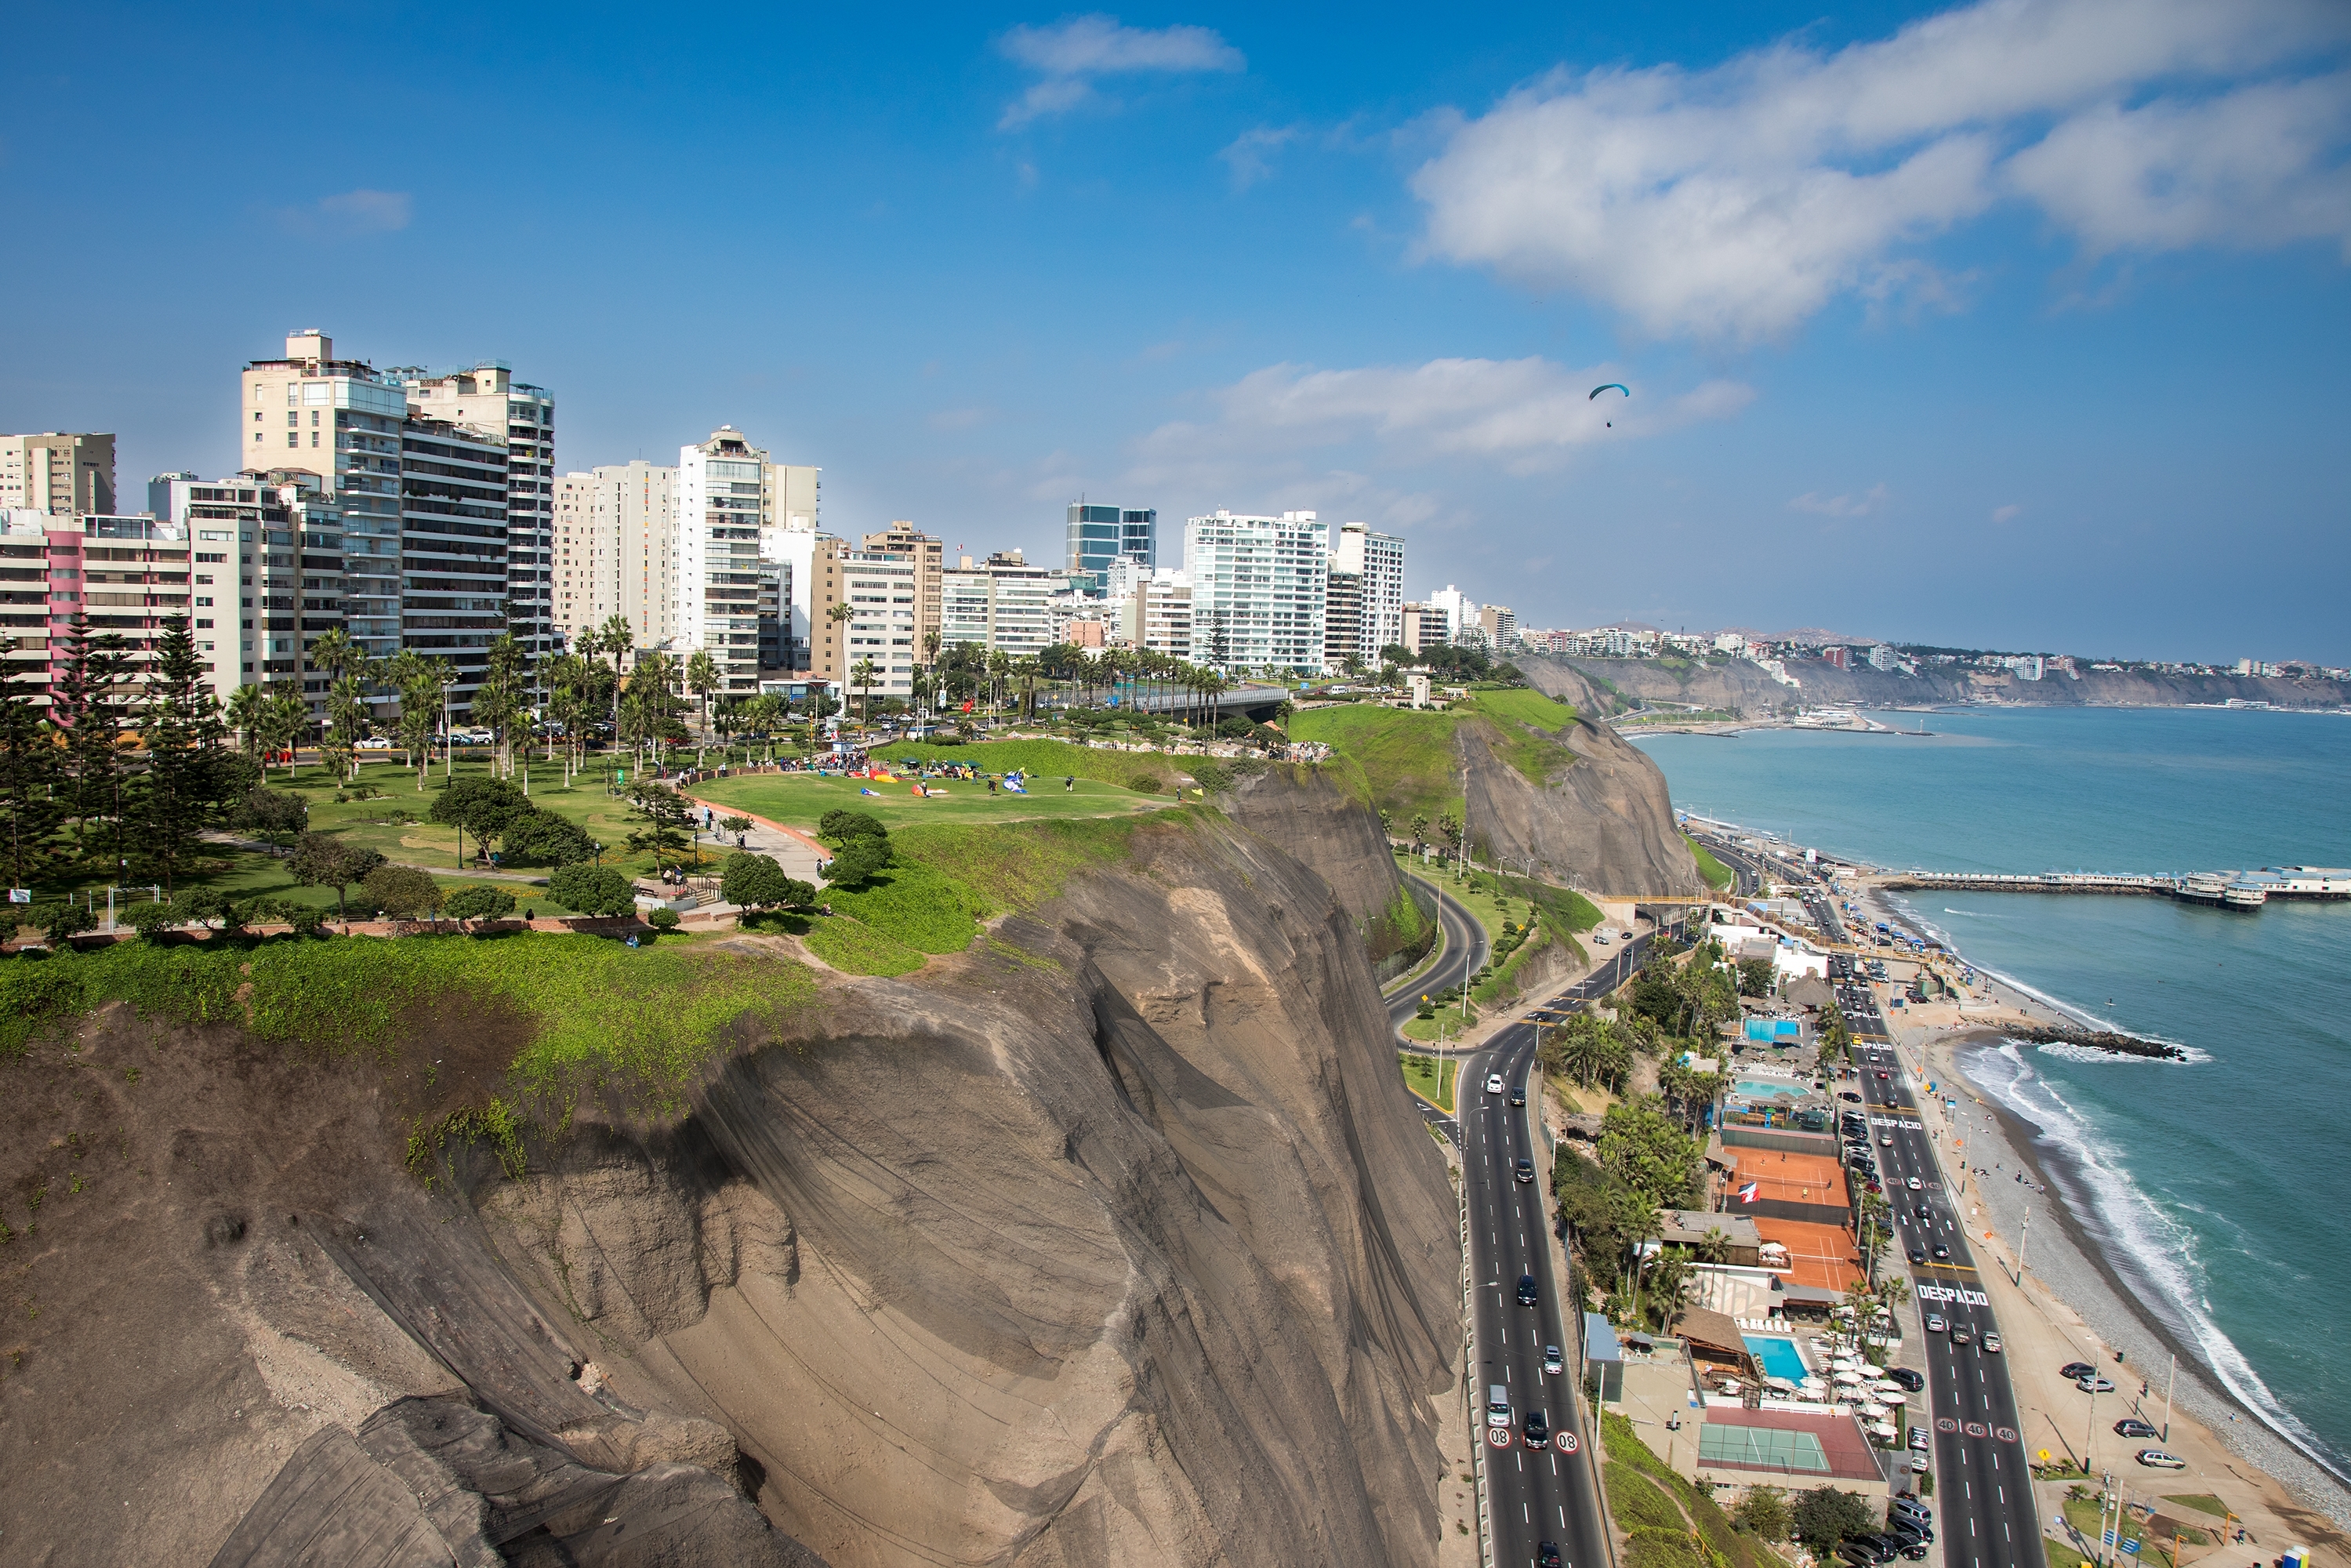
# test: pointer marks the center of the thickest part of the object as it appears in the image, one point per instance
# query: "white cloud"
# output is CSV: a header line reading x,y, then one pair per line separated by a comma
x,y
1250,154
351,215
1736,202
1523,415
1069,54
2005,513
1873,499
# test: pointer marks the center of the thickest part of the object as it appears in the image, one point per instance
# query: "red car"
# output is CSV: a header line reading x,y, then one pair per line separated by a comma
x,y
1881,1072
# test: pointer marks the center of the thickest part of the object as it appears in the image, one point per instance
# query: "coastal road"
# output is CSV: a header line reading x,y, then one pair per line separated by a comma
x,y
1532,1495
1983,1483
1747,875
1465,949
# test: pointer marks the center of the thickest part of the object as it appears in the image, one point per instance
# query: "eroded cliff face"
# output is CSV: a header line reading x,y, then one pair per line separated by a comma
x,y
1113,1241
1605,825
1310,819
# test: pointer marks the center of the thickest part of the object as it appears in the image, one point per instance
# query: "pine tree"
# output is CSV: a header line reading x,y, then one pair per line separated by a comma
x,y
28,774
180,794
90,700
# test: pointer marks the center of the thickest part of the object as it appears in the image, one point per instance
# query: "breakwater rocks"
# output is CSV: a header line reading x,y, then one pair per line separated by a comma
x,y
2096,1039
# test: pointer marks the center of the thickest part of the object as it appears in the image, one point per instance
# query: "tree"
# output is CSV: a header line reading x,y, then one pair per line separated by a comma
x,y
284,718
616,637
542,838
757,881
862,675
591,890
321,860
1825,1516
28,772
88,700
1755,976
245,705
503,698
154,919
1669,1284
1643,1148
839,826
404,892
479,903
181,728
483,807
668,819
1764,1512
273,815
702,679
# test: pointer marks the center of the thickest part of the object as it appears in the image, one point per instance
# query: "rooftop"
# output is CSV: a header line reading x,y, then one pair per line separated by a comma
x,y
1786,1441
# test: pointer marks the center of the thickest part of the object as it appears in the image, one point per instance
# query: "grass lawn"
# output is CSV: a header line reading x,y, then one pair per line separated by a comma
x,y
1446,1026
800,799
1433,1080
1716,874
1406,757
2202,1503
1523,704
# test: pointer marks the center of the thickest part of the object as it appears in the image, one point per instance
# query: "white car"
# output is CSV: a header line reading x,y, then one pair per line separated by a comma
x,y
1493,1083
2156,1458
1991,1343
375,743
1916,1184
1600,938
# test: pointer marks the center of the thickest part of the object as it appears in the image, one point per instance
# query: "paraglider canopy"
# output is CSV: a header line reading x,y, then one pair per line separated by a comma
x,y
1610,386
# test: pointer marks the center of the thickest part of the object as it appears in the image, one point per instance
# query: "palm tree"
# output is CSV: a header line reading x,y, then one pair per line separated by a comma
x,y
246,707
702,678
347,704
862,675
284,718
616,637
1669,1284
1714,1247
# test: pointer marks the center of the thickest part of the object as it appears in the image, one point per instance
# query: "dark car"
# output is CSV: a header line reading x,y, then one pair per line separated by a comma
x,y
1537,1430
1942,1253
1526,1170
1961,1335
1918,1254
1528,1295
2075,1370
1518,1094
1923,1211
2132,1426
1907,1377
1547,1554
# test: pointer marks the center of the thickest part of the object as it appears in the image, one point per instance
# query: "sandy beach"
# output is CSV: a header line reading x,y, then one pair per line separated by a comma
x,y
2074,1305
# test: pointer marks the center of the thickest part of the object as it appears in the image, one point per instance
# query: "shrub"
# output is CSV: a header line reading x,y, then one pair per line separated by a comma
x,y
152,920
403,891
842,827
1211,779
757,881
305,920
542,838
481,903
1146,784
1825,1516
1765,1511
663,920
591,890
275,814
65,921
858,862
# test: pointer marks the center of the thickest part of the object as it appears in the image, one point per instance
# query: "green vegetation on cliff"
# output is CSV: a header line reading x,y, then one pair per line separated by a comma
x,y
654,1013
1716,874
1407,759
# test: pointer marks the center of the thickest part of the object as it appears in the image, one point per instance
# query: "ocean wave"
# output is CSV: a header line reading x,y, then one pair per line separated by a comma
x,y
2141,1237
1973,914
2190,1056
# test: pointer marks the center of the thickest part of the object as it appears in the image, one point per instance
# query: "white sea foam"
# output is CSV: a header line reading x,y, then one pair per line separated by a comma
x,y
2141,1239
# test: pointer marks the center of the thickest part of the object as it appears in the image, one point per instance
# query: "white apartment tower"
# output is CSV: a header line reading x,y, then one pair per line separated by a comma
x,y
615,551
881,590
1461,612
1258,591
1001,605
1377,560
721,519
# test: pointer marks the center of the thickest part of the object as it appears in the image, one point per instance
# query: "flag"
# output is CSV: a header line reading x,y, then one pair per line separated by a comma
x,y
966,707
1747,1194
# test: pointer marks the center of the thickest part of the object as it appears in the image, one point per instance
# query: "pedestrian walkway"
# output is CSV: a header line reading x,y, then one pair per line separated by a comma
x,y
795,851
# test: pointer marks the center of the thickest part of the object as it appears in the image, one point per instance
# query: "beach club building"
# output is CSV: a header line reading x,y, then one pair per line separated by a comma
x,y
1797,1450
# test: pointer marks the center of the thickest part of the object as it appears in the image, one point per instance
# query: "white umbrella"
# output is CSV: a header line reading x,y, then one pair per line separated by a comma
x,y
1848,1375
1873,1409
1886,1431
1843,1364
1731,1386
1887,1385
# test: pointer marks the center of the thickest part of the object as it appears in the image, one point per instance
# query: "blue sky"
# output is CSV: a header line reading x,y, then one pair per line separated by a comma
x,y
2019,325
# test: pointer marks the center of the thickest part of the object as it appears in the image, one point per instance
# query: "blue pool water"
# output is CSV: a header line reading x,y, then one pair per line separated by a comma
x,y
1777,1357
1765,1088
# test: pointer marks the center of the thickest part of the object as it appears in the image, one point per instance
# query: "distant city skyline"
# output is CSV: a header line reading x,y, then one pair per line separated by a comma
x,y
2049,357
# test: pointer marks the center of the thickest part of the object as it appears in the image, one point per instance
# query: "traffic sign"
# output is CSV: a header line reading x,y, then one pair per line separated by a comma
x,y
1566,1442
1975,1430
2132,1547
1497,1436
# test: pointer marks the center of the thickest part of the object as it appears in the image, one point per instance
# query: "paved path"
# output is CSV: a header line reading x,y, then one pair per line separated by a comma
x,y
793,850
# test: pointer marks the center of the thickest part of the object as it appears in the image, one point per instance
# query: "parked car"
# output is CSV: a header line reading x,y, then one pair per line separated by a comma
x,y
2094,1385
1918,1464
1528,1294
375,743
1907,1507
1526,1170
2156,1458
1493,1083
1907,1377
1991,1343
2132,1426
2074,1371
1848,1094
1552,1365
1918,1439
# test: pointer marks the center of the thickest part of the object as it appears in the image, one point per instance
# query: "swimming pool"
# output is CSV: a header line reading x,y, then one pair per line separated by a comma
x,y
1776,1356
1771,1089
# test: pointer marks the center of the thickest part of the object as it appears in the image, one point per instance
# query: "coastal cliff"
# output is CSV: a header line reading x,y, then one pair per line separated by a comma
x,y
1113,1239
1605,823
1740,687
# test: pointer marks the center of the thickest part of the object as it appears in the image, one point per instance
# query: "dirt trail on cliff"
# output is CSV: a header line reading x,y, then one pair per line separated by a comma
x,y
1113,1239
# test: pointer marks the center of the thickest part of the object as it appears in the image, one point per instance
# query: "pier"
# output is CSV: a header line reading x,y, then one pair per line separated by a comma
x,y
2226,889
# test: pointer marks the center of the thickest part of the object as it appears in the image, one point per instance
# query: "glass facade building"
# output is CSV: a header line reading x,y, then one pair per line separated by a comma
x,y
1098,535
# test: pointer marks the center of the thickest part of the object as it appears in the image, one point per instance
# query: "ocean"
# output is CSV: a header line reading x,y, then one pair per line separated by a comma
x,y
2213,1181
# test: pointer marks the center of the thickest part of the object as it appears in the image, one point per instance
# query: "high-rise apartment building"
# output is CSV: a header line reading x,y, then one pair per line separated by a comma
x,y
1150,609
64,474
1000,604
1342,620
929,558
1498,625
1376,562
127,576
1424,628
487,398
881,589
266,546
1097,536
1461,612
1258,585
722,517
615,551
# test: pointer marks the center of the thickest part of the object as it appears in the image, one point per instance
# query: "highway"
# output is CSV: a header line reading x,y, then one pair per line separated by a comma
x,y
1532,1495
1983,1483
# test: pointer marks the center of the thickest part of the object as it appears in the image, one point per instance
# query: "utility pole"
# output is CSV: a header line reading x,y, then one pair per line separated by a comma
x,y
2166,1396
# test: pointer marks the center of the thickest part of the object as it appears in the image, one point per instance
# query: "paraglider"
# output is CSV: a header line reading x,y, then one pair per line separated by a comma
x,y
1610,386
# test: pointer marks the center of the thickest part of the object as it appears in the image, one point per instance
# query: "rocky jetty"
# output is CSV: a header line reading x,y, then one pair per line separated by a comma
x,y
2095,1039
